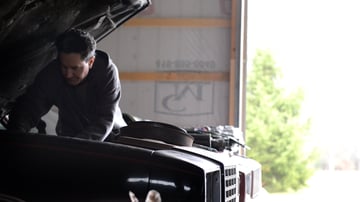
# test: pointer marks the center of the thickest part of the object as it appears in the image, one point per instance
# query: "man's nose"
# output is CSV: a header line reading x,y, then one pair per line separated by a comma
x,y
68,73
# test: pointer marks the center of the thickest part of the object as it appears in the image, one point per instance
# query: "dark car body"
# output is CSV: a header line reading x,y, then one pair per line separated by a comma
x,y
50,168
183,165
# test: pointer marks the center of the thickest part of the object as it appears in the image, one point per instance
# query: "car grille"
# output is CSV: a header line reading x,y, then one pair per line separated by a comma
x,y
230,184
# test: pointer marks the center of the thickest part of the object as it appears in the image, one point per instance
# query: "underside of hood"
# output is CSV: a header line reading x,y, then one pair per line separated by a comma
x,y
28,29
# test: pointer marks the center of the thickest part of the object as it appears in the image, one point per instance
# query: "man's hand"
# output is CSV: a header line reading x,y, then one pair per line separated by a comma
x,y
152,196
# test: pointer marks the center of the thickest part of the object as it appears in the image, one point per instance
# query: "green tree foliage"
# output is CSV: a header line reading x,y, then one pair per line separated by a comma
x,y
273,127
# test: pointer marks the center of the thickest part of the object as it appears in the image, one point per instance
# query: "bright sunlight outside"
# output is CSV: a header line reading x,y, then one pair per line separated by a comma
x,y
316,44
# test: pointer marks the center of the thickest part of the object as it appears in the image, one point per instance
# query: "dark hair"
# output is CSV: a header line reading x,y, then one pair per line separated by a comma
x,y
76,41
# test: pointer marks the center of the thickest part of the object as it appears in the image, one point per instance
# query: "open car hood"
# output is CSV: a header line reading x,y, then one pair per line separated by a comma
x,y
28,29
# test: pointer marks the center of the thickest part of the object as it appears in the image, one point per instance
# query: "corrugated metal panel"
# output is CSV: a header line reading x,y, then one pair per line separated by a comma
x,y
177,49
185,104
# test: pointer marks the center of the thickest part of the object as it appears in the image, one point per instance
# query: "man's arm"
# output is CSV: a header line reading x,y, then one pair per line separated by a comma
x,y
108,98
30,107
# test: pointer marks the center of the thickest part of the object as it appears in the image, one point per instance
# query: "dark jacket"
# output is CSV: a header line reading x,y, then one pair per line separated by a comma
x,y
89,110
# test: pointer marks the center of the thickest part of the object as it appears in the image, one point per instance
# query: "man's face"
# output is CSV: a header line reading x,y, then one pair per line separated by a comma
x,y
73,68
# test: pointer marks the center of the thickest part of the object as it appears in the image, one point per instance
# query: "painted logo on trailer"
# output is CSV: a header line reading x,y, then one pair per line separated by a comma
x,y
184,98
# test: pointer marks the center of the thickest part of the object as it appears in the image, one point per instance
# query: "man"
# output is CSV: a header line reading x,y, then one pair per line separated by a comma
x,y
82,83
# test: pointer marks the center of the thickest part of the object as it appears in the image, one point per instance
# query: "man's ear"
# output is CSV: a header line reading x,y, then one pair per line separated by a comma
x,y
91,61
